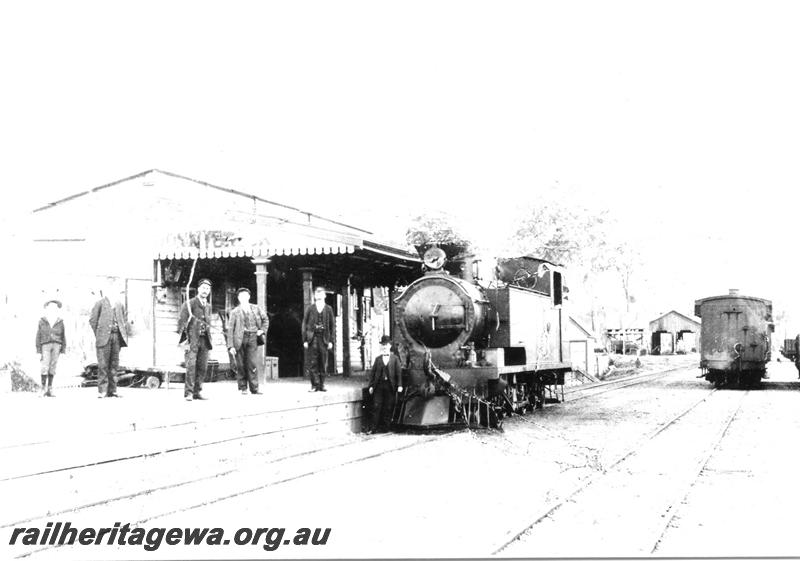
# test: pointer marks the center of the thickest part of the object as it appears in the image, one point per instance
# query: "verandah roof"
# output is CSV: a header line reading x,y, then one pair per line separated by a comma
x,y
255,251
258,241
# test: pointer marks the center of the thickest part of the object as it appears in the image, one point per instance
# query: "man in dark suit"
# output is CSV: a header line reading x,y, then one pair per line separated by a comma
x,y
318,328
385,382
194,325
109,323
246,324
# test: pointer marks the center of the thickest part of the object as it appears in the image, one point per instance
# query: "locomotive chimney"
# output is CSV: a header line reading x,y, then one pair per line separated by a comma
x,y
734,292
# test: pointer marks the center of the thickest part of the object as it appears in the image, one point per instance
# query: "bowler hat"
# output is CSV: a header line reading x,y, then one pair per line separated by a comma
x,y
243,289
56,302
386,340
201,282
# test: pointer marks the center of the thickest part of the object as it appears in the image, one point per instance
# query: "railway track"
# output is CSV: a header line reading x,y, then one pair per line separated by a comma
x,y
163,491
581,392
672,511
150,498
622,464
177,443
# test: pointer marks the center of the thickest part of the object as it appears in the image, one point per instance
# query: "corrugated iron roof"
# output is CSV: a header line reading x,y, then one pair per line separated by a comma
x,y
262,236
384,249
684,316
199,182
254,241
260,251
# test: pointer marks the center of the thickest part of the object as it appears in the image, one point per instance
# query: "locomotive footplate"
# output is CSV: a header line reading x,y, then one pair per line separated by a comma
x,y
482,396
473,376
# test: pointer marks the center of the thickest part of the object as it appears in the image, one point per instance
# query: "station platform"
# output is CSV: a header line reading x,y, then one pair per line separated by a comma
x,y
76,413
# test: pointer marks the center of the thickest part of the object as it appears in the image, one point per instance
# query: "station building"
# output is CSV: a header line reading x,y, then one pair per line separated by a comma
x,y
151,233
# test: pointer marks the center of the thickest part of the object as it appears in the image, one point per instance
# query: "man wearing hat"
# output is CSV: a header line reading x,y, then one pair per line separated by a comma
x,y
318,328
109,323
385,382
246,325
194,325
50,343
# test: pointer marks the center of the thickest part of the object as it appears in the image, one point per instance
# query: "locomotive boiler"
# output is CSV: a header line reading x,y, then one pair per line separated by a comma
x,y
474,349
735,339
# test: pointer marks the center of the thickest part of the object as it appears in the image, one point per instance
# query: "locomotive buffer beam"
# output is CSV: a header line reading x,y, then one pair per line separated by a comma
x,y
463,401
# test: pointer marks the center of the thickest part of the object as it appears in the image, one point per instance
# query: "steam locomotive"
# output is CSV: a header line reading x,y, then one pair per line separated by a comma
x,y
475,350
735,339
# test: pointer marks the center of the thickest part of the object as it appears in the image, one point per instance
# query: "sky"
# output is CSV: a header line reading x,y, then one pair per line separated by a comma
x,y
681,117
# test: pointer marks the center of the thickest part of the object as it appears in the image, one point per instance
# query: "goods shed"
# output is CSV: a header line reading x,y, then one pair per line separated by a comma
x,y
673,332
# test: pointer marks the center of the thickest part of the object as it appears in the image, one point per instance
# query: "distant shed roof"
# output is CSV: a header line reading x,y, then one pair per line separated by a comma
x,y
674,321
581,328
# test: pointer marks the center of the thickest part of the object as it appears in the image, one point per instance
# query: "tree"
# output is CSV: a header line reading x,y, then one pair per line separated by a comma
x,y
435,228
588,241
569,235
599,255
625,260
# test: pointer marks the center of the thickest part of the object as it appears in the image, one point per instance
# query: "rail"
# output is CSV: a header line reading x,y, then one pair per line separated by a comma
x,y
671,513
